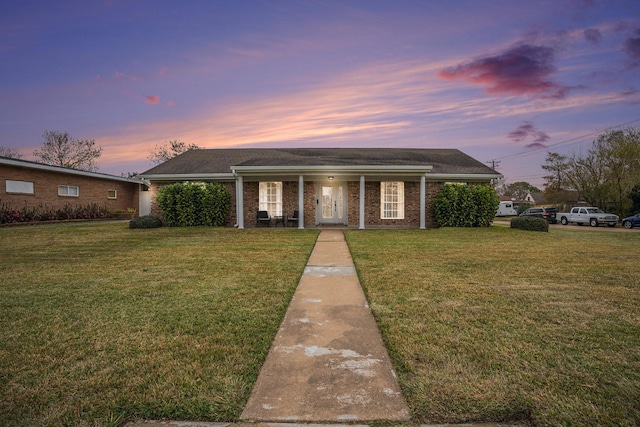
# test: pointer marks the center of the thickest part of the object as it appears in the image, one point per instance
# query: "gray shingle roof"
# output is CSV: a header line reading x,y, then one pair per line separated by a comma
x,y
212,161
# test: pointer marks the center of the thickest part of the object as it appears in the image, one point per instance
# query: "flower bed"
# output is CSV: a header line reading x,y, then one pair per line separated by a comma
x,y
43,213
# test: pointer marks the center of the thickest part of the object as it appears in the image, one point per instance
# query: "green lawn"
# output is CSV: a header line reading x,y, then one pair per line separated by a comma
x,y
498,324
99,323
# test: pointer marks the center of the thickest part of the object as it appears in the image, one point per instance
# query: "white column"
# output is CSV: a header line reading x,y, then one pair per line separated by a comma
x,y
422,203
240,202
300,201
361,227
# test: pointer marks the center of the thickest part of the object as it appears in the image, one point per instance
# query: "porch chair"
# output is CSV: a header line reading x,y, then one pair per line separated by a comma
x,y
293,219
262,217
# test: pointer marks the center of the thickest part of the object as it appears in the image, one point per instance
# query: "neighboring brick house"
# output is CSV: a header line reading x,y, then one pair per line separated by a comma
x,y
30,184
355,187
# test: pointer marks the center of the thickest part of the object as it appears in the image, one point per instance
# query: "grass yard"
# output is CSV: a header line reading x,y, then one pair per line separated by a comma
x,y
505,325
99,323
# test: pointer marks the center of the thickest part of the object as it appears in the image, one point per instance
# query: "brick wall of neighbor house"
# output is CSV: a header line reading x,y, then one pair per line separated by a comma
x,y
45,184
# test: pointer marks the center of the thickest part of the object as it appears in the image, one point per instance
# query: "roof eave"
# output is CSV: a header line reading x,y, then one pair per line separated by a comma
x,y
59,169
332,170
189,176
469,177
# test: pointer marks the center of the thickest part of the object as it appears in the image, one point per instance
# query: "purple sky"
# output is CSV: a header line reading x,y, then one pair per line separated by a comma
x,y
500,80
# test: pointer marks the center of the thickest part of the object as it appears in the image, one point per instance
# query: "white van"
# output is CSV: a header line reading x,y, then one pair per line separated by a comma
x,y
506,209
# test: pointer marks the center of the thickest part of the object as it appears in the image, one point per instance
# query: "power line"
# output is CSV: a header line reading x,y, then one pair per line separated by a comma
x,y
572,141
494,163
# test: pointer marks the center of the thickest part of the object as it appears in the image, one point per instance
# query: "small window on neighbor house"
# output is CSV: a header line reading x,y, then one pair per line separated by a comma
x,y
68,190
23,187
270,195
392,200
112,194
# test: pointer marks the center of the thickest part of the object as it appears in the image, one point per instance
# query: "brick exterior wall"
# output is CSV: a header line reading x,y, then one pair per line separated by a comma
x,y
372,203
45,184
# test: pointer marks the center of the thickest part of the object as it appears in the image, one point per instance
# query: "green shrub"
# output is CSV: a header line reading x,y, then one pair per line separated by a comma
x,y
465,205
529,223
146,221
194,203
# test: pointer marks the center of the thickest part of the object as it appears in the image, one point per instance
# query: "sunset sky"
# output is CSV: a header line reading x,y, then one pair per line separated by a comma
x,y
503,81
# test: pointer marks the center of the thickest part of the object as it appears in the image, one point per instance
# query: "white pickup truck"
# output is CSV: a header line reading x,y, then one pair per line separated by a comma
x,y
587,215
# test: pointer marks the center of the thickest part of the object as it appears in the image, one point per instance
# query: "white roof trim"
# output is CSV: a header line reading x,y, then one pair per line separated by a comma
x,y
189,177
464,176
335,170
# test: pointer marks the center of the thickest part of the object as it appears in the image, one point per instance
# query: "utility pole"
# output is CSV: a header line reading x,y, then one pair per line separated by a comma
x,y
494,163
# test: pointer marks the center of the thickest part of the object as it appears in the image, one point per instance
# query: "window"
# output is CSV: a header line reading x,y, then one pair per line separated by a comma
x,y
112,194
392,200
68,190
24,187
271,198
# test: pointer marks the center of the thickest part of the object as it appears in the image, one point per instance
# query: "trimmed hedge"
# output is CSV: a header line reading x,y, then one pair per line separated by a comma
x,y
459,205
529,223
146,221
194,203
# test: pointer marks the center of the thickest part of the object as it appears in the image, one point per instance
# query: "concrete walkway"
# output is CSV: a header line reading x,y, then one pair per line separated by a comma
x,y
328,362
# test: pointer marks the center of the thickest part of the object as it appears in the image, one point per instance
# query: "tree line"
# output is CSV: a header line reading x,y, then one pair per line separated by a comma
x,y
61,149
607,175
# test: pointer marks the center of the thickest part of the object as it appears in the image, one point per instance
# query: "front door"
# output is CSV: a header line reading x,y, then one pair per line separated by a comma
x,y
332,206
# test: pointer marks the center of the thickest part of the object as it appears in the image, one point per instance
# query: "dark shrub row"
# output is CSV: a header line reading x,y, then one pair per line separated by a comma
x,y
147,221
529,223
11,215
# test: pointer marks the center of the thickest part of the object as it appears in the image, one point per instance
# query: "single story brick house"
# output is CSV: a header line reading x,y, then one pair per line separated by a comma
x,y
30,184
354,187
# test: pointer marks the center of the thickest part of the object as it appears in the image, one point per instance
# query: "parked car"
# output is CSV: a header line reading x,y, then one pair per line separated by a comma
x,y
587,215
546,213
631,221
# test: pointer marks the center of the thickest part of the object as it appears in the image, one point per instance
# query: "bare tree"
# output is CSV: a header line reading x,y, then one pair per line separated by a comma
x,y
162,153
60,149
606,174
10,152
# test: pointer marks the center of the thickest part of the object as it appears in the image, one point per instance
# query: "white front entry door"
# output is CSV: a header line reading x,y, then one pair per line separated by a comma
x,y
332,206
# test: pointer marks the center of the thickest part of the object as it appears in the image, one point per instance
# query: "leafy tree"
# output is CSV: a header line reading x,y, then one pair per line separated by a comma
x,y
634,196
9,152
518,190
60,149
162,153
557,167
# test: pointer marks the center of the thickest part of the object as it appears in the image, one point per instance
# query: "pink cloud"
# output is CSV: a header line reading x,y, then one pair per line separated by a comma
x,y
520,70
152,100
528,131
120,75
170,104
593,35
632,48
